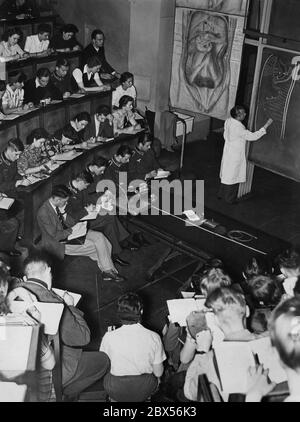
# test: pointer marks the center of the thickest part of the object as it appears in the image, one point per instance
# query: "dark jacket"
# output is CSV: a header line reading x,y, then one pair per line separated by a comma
x,y
58,43
69,132
90,51
73,330
8,176
141,163
105,129
62,85
36,94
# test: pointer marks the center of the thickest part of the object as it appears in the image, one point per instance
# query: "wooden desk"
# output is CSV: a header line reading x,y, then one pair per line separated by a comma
x,y
51,117
34,195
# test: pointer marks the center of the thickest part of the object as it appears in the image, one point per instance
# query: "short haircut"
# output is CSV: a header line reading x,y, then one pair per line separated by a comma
x,y
43,72
130,308
83,115
60,191
70,27
43,27
257,266
38,257
290,259
93,61
103,109
124,150
124,100
235,111
38,133
84,176
4,285
2,85
11,31
214,279
145,137
264,290
16,143
125,76
99,162
95,33
16,76
284,329
62,61
227,299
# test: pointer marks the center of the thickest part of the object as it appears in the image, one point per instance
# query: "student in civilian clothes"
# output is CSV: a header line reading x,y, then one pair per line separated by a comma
x,y
12,100
96,170
80,369
89,78
39,88
34,158
136,354
143,164
96,48
9,47
38,45
56,225
66,40
61,79
124,120
101,126
79,205
74,132
126,87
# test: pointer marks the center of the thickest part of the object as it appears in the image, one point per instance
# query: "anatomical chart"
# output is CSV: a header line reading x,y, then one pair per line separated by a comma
x,y
279,98
206,61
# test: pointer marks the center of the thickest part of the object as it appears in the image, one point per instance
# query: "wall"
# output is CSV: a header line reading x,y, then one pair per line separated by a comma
x,y
111,16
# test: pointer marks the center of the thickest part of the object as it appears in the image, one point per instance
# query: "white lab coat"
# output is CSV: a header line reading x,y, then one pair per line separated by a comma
x,y
233,165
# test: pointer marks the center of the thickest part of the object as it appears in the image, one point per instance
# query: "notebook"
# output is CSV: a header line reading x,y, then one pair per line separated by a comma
x,y
12,392
6,203
162,174
78,230
60,292
92,215
179,309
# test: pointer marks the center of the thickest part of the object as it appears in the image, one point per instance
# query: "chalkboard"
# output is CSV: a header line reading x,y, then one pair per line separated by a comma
x,y
278,98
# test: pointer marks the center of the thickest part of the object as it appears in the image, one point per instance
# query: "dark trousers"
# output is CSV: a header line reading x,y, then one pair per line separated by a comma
x,y
17,211
130,388
111,227
228,192
91,368
8,234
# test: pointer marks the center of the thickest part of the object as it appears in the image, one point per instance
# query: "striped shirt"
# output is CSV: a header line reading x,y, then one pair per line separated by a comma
x,y
13,98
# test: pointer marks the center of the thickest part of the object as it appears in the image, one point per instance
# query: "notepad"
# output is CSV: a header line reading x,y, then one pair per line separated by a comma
x,y
78,230
6,203
179,309
92,215
191,215
12,392
161,174
60,292
67,156
237,356
14,349
76,95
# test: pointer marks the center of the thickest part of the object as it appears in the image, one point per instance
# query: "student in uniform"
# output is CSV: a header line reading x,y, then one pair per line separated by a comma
x,y
61,79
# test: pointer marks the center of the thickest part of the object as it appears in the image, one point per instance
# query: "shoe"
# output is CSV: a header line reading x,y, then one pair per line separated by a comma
x,y
139,238
14,252
117,260
132,246
111,276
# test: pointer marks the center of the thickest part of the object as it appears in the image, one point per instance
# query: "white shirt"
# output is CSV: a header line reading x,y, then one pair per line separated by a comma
x,y
13,99
119,92
78,76
6,51
34,45
132,350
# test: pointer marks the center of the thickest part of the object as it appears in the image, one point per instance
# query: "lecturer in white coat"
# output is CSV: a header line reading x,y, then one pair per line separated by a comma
x,y
233,165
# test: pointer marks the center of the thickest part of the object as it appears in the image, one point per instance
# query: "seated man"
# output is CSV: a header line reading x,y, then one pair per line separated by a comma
x,y
61,79
80,203
38,45
66,41
96,170
40,89
56,225
12,100
289,265
96,48
102,124
89,79
136,354
80,369
117,165
143,164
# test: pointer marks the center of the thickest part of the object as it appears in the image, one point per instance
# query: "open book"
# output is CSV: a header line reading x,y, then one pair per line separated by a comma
x,y
235,357
60,292
6,203
12,392
179,309
78,230
15,348
162,174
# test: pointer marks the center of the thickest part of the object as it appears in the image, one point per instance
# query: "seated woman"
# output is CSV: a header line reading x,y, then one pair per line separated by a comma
x,y
9,47
12,100
126,87
124,121
89,79
66,40
2,92
34,158
40,88
73,133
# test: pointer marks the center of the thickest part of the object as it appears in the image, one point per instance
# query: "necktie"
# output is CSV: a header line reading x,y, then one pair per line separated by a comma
x,y
61,218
